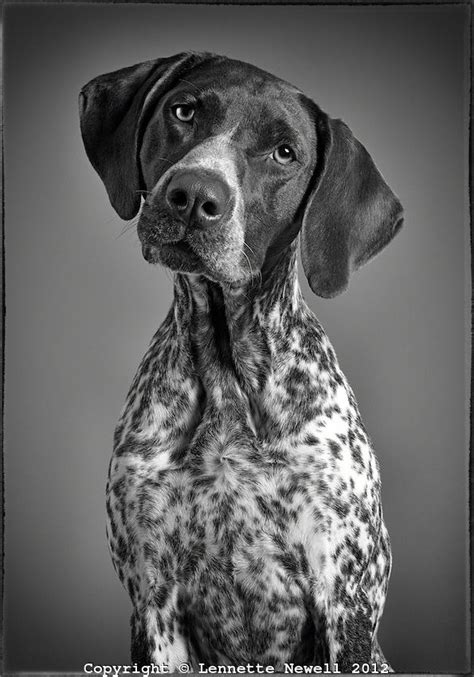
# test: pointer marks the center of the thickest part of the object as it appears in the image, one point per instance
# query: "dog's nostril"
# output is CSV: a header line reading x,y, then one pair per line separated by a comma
x,y
210,208
179,199
200,199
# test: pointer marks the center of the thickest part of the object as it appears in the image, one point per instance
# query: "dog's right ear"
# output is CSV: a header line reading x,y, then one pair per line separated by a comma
x,y
112,108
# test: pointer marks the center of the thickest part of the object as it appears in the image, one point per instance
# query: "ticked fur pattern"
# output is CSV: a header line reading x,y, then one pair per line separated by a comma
x,y
244,511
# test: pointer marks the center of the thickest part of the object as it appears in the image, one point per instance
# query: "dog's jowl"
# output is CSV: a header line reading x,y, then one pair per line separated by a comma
x,y
243,501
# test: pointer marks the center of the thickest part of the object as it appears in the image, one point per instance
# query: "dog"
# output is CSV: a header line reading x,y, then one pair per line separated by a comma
x,y
243,499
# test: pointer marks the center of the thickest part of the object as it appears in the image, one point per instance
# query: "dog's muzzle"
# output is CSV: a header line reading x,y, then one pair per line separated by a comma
x,y
192,221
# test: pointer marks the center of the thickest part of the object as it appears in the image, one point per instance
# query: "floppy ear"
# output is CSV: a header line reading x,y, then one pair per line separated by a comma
x,y
113,111
351,213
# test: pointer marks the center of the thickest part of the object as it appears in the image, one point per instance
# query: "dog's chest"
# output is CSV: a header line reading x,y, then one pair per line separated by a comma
x,y
218,497
224,525
236,523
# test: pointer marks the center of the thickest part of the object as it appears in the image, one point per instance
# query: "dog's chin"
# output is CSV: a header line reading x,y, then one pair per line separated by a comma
x,y
181,258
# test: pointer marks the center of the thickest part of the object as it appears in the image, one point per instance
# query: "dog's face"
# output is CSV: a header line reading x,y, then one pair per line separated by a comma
x,y
231,162
226,157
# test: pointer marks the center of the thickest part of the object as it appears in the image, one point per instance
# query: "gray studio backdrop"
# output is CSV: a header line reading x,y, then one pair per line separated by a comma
x,y
82,305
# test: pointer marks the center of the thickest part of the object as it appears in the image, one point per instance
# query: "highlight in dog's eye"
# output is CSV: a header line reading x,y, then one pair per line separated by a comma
x,y
283,155
184,112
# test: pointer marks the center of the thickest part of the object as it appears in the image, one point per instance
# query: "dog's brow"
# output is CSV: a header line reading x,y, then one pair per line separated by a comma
x,y
275,131
192,84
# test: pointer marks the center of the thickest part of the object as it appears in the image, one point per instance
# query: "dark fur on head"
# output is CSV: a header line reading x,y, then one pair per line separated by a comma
x,y
346,213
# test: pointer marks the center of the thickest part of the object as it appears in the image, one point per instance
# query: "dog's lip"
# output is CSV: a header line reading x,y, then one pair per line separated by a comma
x,y
182,246
164,252
155,242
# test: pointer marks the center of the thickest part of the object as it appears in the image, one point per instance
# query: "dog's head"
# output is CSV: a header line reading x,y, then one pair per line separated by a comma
x,y
232,162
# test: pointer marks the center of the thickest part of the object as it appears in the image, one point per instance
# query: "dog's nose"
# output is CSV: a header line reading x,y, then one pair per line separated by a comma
x,y
198,198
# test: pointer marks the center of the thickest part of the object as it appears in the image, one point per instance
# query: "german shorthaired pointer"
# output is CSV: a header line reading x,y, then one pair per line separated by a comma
x,y
244,510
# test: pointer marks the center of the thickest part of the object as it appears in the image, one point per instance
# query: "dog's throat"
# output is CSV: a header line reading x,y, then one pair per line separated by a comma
x,y
227,395
229,333
220,327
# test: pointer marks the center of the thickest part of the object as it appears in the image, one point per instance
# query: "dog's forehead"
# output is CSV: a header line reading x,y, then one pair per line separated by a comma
x,y
229,73
248,98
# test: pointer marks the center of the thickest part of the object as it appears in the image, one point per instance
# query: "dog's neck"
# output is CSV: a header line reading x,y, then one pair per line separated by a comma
x,y
232,329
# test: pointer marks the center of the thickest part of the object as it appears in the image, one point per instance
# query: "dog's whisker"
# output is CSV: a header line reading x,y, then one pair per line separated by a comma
x,y
259,272
261,220
249,264
128,227
168,273
165,159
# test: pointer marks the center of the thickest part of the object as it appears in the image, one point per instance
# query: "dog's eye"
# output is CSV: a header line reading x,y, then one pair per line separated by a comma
x,y
283,155
183,112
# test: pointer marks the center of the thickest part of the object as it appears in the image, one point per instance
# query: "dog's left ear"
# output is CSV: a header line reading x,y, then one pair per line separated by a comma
x,y
113,110
351,213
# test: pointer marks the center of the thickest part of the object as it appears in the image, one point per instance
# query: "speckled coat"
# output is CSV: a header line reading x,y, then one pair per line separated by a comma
x,y
244,512
244,496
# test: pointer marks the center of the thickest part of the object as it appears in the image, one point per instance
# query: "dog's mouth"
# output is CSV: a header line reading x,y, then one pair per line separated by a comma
x,y
181,247
177,255
185,250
